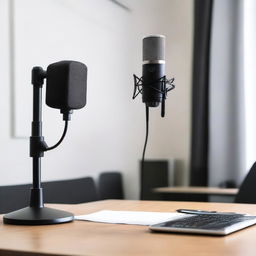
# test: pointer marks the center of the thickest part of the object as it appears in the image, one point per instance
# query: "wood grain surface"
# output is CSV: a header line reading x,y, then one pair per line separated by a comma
x,y
89,238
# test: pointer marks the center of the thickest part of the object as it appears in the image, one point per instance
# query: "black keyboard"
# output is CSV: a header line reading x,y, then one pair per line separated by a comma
x,y
218,224
208,221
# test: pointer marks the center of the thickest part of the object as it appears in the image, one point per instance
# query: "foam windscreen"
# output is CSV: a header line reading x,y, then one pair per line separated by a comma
x,y
154,48
66,85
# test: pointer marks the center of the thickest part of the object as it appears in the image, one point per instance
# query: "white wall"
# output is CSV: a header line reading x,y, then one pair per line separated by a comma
x,y
108,134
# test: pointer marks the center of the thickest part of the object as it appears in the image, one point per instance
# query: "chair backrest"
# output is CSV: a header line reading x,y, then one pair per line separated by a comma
x,y
72,191
111,185
14,197
247,190
154,174
64,191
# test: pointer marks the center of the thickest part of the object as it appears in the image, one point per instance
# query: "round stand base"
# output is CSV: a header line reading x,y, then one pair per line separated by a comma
x,y
37,216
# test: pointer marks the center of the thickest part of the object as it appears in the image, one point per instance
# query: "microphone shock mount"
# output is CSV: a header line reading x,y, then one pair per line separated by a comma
x,y
166,86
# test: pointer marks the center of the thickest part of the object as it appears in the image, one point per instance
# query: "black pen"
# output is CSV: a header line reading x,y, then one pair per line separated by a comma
x,y
189,211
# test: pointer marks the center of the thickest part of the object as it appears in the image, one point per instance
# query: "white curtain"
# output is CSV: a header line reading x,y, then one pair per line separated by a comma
x,y
227,140
250,79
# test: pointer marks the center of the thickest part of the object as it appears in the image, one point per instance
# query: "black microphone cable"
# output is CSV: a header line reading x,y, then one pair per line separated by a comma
x,y
61,139
146,138
144,149
66,118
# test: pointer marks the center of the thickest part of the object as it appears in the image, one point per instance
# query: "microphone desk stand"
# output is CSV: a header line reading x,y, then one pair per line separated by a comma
x,y
36,213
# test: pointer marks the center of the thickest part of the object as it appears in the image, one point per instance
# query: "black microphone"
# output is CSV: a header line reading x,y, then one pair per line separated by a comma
x,y
153,83
153,69
66,86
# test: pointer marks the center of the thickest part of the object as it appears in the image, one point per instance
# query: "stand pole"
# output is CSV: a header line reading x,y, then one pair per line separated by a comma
x,y
36,152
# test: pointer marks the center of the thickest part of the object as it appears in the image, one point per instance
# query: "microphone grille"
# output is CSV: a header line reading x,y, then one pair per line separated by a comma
x,y
154,48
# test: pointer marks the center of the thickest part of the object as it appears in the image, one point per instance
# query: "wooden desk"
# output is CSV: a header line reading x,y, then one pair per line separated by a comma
x,y
198,190
88,238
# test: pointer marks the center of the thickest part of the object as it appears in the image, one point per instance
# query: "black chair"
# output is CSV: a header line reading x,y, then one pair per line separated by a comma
x,y
153,175
14,197
72,191
65,191
247,190
111,185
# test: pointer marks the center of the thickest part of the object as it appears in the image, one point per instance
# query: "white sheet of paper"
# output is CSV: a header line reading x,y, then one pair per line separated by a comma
x,y
130,217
